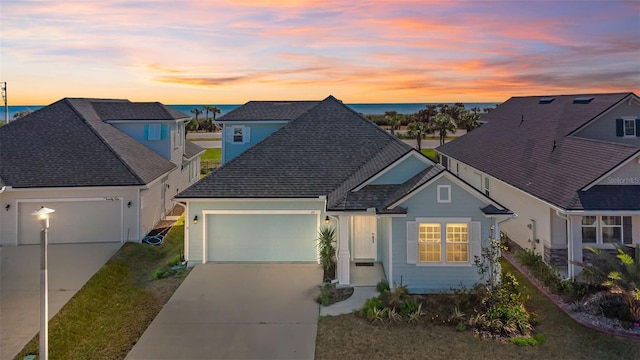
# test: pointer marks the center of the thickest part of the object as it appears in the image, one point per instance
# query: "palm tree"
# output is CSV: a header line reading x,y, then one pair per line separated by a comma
x,y
214,110
442,123
469,120
393,119
418,130
197,112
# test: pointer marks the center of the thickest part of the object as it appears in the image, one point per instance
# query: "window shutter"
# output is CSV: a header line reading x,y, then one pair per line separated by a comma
x,y
638,127
412,242
146,132
476,240
619,127
228,134
163,132
246,135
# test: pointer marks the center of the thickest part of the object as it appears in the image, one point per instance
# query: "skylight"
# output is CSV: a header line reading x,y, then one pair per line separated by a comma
x,y
582,100
546,100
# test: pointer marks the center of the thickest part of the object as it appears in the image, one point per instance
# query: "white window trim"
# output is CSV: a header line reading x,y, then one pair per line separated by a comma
x,y
443,226
599,225
178,136
446,199
486,186
624,126
233,134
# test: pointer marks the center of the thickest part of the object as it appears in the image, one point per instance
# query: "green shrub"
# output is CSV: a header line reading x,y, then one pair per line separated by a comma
x,y
160,273
382,286
537,339
396,297
408,307
371,308
326,292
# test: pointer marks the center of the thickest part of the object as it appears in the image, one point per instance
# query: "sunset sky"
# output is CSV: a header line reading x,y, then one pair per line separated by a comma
x,y
230,52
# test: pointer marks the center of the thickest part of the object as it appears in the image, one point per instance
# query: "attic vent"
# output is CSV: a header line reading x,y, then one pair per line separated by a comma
x,y
546,100
582,100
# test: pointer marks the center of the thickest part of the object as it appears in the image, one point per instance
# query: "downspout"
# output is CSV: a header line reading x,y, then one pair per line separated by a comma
x,y
138,210
567,221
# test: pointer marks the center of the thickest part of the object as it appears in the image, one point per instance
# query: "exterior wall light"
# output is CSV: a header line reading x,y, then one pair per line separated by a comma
x,y
129,204
326,220
195,219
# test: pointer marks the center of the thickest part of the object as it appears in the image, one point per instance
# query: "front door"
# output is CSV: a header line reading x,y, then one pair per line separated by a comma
x,y
364,237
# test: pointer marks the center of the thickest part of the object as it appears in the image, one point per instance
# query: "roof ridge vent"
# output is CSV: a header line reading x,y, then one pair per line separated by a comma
x,y
582,99
546,100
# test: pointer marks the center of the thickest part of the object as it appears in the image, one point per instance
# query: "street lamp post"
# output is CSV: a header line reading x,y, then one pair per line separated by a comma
x,y
43,216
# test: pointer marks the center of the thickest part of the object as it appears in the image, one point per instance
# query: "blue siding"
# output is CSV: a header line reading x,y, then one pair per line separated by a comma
x,y
258,133
139,132
430,279
401,172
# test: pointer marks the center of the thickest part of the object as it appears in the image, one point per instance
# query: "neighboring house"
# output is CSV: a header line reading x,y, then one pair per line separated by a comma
x,y
569,166
324,163
109,169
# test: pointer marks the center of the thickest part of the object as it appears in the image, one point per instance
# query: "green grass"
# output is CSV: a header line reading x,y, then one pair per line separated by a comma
x,y
214,154
349,336
431,154
109,314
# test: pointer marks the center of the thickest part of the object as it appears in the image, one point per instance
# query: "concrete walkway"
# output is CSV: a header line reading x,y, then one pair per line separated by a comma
x,y
70,267
355,302
237,311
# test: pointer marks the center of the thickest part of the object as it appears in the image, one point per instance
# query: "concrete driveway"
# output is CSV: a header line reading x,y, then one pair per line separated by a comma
x,y
237,311
70,267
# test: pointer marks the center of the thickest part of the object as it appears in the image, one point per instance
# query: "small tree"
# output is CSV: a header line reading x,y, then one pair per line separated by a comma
x,y
393,119
488,263
327,250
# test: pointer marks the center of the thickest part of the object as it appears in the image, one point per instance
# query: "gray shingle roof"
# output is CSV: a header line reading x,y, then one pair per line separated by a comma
x,y
609,197
522,153
67,144
269,110
191,149
125,110
309,157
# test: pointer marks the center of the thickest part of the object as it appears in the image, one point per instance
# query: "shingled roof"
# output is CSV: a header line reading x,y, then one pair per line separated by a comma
x,y
328,149
68,144
269,110
527,144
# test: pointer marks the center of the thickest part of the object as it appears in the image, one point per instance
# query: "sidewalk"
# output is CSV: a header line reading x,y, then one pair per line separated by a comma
x,y
355,302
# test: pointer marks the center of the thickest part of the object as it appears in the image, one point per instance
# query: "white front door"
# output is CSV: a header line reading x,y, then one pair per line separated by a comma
x,y
364,237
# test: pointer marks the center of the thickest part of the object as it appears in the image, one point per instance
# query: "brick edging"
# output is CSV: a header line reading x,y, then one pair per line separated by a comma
x,y
558,301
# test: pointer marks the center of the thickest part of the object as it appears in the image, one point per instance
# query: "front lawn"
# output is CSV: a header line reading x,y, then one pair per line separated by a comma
x,y
109,314
212,154
349,336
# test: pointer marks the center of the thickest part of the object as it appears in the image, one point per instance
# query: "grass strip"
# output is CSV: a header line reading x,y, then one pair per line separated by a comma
x,y
107,316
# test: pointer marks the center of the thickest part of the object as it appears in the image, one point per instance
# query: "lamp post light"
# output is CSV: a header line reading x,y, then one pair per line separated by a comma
x,y
43,217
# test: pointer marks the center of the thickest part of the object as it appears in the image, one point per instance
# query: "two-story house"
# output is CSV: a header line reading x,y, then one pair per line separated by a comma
x,y
109,169
568,165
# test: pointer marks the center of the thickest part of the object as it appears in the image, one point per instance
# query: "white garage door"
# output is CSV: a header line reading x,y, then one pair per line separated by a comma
x,y
262,237
72,222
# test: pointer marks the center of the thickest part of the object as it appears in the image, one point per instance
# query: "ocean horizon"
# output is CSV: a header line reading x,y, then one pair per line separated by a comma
x,y
363,108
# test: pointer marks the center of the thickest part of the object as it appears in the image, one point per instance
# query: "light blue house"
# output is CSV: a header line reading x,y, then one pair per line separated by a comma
x,y
322,164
